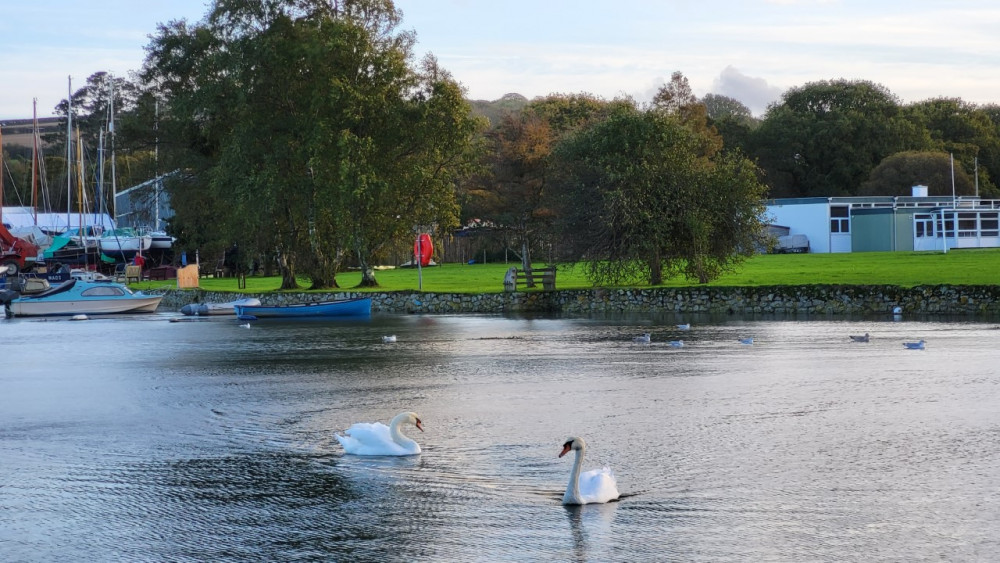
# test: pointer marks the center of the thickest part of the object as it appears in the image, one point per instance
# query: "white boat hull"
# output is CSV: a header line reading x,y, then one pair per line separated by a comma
x,y
121,245
85,307
80,297
160,241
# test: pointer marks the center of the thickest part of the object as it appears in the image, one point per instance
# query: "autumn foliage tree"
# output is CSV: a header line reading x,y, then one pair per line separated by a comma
x,y
510,191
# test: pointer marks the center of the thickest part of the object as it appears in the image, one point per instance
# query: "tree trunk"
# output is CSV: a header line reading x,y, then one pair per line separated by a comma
x,y
655,269
287,269
368,277
320,283
367,272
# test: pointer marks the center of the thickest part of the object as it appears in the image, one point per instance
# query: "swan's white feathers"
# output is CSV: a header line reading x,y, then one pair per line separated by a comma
x,y
595,486
375,438
598,486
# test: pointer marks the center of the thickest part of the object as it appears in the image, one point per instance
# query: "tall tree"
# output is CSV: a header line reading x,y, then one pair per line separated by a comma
x,y
640,200
963,130
509,192
734,121
676,99
317,138
824,138
897,174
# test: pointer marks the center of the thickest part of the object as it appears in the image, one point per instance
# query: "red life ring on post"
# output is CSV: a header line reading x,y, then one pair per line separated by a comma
x,y
422,249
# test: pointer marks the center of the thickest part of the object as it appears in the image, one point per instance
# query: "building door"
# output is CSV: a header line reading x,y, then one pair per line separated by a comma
x,y
924,232
840,228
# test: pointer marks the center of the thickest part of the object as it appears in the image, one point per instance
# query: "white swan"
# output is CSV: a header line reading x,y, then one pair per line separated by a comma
x,y
594,486
375,438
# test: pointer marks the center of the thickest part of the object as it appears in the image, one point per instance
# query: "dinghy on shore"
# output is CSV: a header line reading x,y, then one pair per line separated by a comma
x,y
206,309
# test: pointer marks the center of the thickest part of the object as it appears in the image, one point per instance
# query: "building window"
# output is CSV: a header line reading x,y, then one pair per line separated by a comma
x,y
989,225
840,220
924,228
968,225
948,230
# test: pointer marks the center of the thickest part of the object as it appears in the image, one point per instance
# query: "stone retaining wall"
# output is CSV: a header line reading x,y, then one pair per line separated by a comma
x,y
810,300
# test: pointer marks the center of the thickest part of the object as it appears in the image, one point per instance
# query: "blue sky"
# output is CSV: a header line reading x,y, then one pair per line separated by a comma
x,y
751,50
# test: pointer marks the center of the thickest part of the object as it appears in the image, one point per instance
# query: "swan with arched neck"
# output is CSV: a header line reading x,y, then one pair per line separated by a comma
x,y
375,438
594,486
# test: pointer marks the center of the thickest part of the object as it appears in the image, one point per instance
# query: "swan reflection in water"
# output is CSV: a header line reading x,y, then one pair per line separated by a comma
x,y
590,527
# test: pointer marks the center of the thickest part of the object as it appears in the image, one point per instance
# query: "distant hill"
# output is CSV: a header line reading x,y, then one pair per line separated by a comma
x,y
509,103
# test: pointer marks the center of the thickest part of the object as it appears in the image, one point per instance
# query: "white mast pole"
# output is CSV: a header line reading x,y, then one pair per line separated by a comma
x,y
976,167
69,150
111,133
156,164
954,212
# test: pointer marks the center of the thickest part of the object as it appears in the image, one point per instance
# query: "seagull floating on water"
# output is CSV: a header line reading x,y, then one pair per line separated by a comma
x,y
644,338
247,325
914,345
685,326
860,338
747,341
677,343
388,339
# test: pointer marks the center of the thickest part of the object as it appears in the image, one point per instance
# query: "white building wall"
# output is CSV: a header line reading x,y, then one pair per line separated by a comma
x,y
810,219
18,217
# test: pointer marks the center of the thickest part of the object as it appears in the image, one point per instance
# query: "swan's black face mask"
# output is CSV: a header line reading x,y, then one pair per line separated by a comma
x,y
567,447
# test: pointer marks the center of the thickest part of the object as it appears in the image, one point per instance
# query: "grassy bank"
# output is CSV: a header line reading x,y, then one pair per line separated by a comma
x,y
906,269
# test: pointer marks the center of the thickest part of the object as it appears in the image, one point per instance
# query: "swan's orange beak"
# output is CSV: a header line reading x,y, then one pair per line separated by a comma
x,y
419,425
566,449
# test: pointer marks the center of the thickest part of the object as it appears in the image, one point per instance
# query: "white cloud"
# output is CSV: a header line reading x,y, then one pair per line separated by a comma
x,y
755,93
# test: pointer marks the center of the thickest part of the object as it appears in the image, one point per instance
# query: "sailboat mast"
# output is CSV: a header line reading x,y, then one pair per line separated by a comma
x,y
1,173
34,160
156,164
79,183
100,176
111,133
69,152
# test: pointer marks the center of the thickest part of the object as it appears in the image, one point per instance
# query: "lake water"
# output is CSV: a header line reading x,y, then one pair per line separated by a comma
x,y
139,439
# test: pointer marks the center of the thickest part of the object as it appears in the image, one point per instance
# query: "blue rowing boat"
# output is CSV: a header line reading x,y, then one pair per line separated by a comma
x,y
359,307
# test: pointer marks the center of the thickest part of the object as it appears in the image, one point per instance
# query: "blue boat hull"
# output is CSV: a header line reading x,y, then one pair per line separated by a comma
x,y
361,307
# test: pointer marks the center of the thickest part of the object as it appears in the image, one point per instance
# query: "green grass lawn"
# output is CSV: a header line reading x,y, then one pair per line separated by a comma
x,y
907,269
